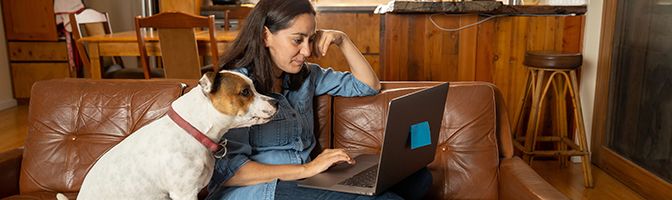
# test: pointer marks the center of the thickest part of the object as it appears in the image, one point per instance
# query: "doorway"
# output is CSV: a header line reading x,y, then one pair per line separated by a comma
x,y
633,141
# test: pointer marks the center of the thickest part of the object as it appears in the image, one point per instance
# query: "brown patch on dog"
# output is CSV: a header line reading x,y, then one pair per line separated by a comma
x,y
234,96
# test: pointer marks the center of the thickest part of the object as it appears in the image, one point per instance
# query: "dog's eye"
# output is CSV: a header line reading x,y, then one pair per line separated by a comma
x,y
245,92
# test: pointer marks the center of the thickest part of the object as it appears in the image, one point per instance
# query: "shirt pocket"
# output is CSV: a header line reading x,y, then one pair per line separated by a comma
x,y
272,134
304,105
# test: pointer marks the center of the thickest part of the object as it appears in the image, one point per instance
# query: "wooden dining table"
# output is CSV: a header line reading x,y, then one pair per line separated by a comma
x,y
125,44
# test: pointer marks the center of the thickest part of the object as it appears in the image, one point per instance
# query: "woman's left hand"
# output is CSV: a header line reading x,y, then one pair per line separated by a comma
x,y
324,39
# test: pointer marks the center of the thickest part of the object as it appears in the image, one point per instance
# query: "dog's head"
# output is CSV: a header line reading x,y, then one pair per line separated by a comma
x,y
233,94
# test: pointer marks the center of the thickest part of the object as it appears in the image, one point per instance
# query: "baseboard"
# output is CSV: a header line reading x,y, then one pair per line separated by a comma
x,y
7,103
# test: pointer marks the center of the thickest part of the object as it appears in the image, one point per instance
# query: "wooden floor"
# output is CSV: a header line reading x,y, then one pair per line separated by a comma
x,y
569,180
13,127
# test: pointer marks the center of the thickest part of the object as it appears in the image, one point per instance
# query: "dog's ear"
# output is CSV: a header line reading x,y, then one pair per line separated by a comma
x,y
206,82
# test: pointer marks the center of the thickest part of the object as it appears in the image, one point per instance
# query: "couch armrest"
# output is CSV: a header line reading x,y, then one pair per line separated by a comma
x,y
10,167
519,181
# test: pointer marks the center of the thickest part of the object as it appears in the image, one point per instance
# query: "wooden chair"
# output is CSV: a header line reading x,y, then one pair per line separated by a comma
x,y
177,41
238,13
97,23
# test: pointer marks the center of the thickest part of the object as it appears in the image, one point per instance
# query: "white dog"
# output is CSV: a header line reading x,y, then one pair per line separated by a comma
x,y
167,160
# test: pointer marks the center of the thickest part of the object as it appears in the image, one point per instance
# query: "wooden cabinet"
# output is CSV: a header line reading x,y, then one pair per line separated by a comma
x,y
34,61
493,51
25,74
29,20
33,45
37,51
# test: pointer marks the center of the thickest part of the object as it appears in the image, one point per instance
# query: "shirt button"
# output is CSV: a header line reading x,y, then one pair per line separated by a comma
x,y
293,114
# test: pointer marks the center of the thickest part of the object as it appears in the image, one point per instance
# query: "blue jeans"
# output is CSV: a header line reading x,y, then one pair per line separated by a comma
x,y
413,187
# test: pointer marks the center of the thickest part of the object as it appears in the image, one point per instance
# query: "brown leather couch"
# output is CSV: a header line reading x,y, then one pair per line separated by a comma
x,y
72,122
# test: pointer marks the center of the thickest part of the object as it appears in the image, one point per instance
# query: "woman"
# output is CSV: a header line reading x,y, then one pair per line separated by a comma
x,y
263,160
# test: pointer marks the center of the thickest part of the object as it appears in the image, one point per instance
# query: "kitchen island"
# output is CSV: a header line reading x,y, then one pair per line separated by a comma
x,y
435,45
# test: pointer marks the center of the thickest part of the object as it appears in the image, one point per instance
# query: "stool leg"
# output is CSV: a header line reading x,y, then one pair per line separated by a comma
x,y
560,88
530,135
585,159
519,116
532,119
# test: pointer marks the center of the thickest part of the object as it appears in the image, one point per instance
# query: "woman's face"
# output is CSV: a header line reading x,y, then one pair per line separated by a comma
x,y
290,47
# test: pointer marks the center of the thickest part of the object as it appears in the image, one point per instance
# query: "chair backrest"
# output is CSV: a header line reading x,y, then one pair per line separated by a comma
x,y
238,13
177,43
95,23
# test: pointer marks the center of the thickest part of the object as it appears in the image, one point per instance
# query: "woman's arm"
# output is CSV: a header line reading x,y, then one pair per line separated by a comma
x,y
254,172
359,67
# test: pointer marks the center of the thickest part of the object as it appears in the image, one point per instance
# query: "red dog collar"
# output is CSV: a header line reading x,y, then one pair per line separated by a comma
x,y
219,150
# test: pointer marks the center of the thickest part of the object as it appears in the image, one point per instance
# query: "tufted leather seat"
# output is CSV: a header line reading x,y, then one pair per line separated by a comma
x,y
474,158
73,122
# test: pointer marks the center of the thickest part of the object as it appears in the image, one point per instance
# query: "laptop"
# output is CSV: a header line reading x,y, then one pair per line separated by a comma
x,y
409,144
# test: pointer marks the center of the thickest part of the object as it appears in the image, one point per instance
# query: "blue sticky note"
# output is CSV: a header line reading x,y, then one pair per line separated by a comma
x,y
420,135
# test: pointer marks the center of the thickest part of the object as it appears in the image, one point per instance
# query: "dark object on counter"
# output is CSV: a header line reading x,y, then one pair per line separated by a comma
x,y
540,10
445,7
482,7
224,2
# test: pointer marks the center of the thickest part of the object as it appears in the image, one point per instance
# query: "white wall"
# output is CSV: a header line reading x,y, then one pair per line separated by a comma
x,y
122,18
591,49
122,12
6,95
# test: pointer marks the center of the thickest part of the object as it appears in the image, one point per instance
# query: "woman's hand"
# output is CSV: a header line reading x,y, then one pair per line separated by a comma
x,y
326,159
324,38
359,66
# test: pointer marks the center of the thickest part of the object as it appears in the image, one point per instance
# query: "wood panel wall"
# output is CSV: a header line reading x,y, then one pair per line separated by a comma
x,y
362,28
415,49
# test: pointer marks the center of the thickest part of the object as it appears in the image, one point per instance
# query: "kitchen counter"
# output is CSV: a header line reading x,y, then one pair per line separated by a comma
x,y
473,7
475,41
409,7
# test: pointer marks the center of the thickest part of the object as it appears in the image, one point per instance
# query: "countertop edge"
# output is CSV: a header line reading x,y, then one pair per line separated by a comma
x,y
501,9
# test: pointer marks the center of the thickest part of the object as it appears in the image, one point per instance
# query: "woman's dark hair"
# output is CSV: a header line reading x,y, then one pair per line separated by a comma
x,y
249,50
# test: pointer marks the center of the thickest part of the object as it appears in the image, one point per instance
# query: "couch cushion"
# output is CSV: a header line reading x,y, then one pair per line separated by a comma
x,y
322,120
40,195
466,163
73,122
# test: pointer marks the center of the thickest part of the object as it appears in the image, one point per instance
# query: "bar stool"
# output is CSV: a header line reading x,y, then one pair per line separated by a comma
x,y
557,69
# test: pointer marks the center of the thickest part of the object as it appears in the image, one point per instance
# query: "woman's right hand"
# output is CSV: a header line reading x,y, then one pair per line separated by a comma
x,y
326,159
324,38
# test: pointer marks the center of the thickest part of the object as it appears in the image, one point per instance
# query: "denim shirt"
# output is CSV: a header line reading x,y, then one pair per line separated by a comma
x,y
287,139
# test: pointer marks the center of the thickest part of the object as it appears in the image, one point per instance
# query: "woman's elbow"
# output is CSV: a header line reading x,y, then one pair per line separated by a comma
x,y
377,86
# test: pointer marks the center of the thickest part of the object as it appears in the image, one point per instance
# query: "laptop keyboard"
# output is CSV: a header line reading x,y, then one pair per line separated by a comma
x,y
366,178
